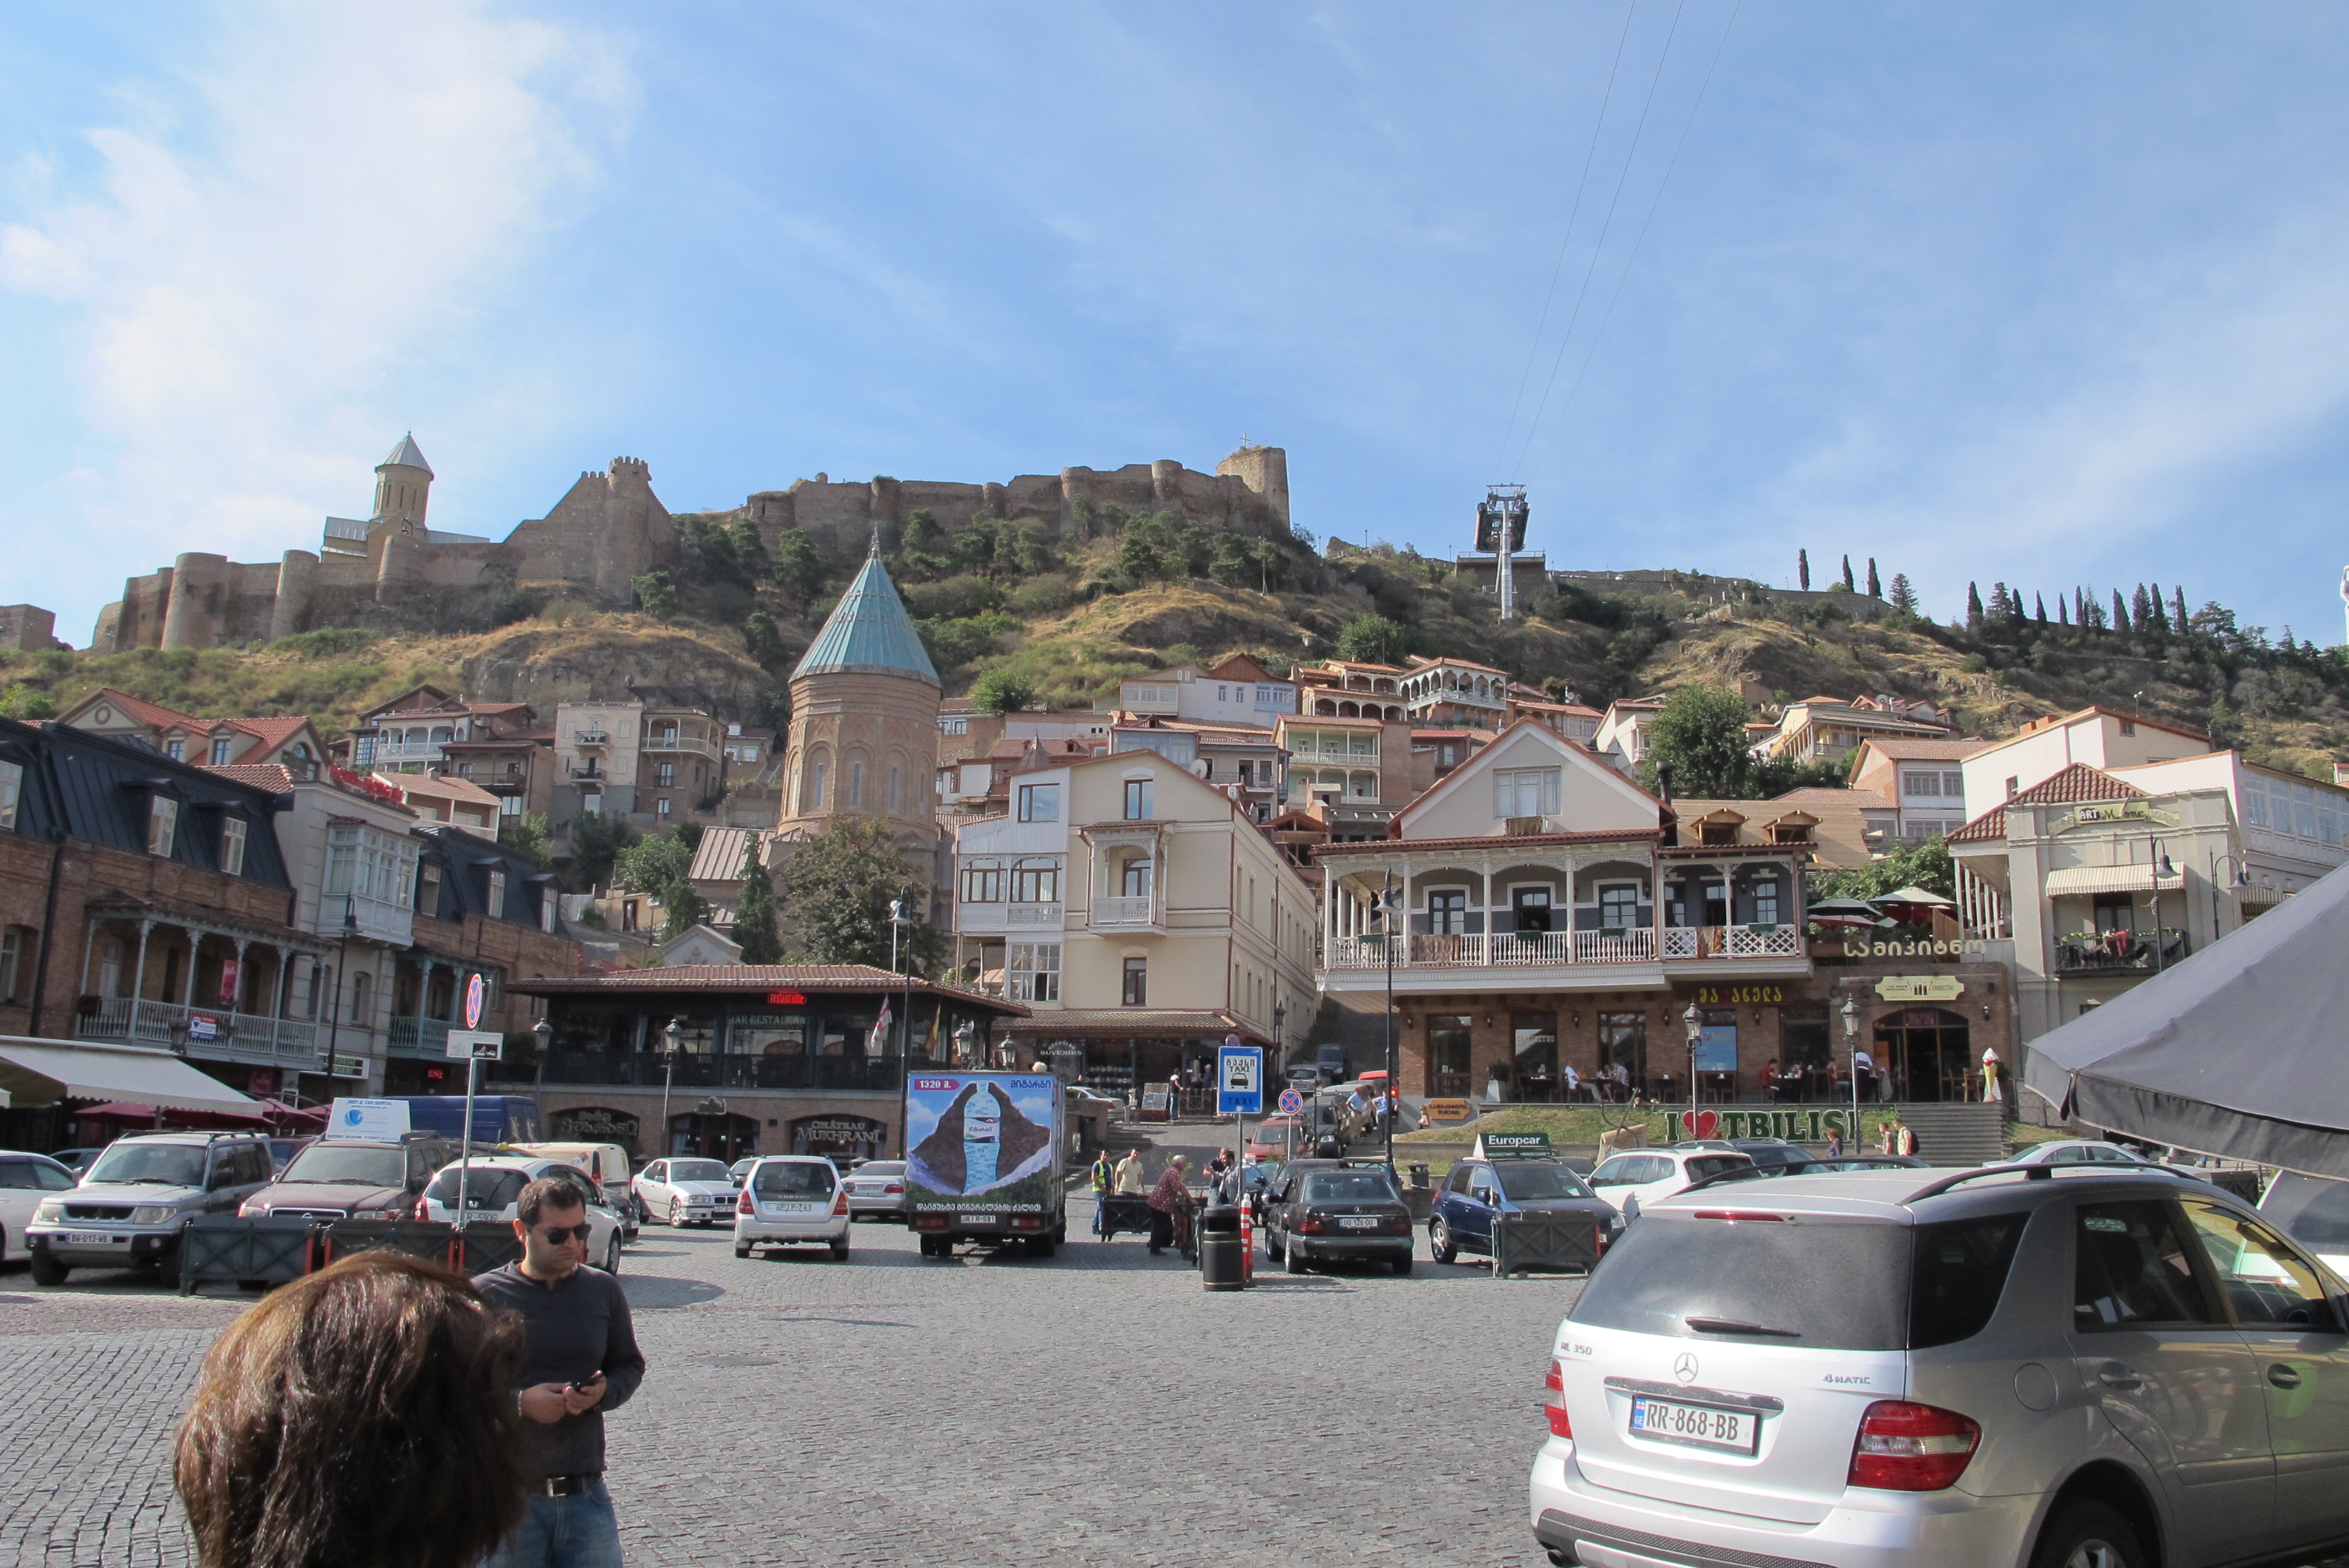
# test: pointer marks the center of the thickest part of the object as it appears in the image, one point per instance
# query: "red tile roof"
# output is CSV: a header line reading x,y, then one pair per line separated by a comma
x,y
1902,748
1989,828
273,777
2077,784
743,978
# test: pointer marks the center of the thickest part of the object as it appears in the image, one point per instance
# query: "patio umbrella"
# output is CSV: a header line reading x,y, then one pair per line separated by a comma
x,y
1842,912
1916,896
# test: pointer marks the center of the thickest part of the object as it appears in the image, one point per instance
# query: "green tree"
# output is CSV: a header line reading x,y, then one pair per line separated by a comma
x,y
2039,605
1926,865
1874,588
1847,586
836,886
1700,734
754,922
1904,595
657,595
682,909
1973,608
763,642
1373,640
1001,691
1234,564
525,836
596,843
655,865
798,569
1803,569
2120,612
20,701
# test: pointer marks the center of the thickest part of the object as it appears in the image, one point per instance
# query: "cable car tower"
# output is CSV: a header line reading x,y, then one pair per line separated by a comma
x,y
1501,533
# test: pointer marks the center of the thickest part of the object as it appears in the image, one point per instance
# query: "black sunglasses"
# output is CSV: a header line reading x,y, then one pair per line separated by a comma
x,y
558,1234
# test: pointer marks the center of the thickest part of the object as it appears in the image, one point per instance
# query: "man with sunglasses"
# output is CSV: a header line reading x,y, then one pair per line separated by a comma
x,y
580,1359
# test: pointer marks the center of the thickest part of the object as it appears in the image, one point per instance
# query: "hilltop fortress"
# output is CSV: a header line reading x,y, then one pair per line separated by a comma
x,y
610,529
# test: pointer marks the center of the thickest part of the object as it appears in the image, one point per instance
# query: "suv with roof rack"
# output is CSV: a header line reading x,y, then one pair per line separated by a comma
x,y
139,1194
2090,1367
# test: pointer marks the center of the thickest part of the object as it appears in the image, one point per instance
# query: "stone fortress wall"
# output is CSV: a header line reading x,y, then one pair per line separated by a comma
x,y
610,528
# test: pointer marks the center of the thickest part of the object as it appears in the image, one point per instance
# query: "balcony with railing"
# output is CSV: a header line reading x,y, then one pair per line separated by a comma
x,y
676,741
1123,912
371,918
1598,946
427,1038
645,1069
975,918
2084,954
213,1033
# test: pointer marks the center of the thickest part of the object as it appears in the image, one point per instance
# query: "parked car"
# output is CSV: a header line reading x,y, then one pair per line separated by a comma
x,y
335,1179
684,1192
607,1162
2315,1211
2112,1369
1768,1152
25,1180
2081,1151
876,1191
1629,1180
1083,1099
792,1200
281,1150
1478,1191
77,1161
739,1168
1276,1136
1349,1212
1812,1167
493,1185
131,1205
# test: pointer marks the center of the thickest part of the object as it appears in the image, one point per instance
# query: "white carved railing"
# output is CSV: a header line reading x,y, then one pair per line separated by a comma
x,y
1132,910
1764,942
1685,941
1533,947
1633,945
1443,949
1033,914
237,1036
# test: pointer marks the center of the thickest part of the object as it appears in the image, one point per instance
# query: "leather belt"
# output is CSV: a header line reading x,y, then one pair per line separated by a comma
x,y
566,1485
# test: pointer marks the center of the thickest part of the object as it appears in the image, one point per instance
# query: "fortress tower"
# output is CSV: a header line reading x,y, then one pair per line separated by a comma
x,y
403,484
865,721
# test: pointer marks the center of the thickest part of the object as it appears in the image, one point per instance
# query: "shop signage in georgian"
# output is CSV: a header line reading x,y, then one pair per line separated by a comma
x,y
1921,987
1953,947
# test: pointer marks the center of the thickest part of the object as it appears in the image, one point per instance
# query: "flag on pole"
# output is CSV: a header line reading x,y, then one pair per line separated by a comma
x,y
881,1030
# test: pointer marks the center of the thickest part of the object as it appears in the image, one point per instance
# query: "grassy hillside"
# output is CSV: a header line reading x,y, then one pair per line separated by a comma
x,y
1139,592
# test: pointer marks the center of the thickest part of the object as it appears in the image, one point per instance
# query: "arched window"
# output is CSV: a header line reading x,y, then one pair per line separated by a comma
x,y
856,784
819,764
1134,876
896,790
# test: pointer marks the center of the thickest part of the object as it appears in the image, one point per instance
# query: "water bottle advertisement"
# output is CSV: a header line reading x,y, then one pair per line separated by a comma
x,y
982,1141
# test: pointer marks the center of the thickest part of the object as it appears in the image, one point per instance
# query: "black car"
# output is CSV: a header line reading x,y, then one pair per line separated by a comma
x,y
1478,1191
1337,1211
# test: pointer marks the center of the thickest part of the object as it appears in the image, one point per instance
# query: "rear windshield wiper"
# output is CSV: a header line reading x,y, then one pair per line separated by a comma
x,y
1732,1325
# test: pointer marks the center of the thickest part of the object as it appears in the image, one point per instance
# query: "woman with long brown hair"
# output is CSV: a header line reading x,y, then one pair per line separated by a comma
x,y
360,1417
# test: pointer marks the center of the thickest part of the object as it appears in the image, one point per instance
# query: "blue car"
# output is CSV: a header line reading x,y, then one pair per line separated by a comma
x,y
1478,1190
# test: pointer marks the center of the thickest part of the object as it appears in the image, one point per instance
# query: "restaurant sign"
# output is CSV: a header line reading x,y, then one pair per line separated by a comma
x,y
1921,987
1952,947
2107,812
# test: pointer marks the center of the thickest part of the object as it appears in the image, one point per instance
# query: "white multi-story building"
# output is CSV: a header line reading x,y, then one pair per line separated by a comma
x,y
1453,694
1238,691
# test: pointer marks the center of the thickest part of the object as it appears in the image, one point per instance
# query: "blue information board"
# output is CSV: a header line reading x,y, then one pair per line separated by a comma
x,y
1239,1080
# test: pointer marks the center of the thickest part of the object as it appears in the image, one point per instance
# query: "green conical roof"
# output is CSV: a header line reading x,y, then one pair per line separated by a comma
x,y
869,633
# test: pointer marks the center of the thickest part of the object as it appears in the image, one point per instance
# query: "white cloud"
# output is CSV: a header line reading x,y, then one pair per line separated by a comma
x,y
324,208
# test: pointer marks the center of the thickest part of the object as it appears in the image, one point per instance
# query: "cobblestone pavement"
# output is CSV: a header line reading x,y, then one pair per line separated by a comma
x,y
1096,1407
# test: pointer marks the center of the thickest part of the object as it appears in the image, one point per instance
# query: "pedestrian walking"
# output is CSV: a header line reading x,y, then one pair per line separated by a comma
x,y
1834,1145
1863,1068
1165,1200
580,1359
359,1417
1104,1178
1769,1080
1129,1172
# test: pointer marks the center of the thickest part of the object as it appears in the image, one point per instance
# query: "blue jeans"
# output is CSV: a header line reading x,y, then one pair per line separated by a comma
x,y
579,1531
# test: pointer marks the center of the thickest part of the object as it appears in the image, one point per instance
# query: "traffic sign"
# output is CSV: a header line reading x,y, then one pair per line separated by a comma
x,y
480,1044
1291,1103
477,997
1239,1079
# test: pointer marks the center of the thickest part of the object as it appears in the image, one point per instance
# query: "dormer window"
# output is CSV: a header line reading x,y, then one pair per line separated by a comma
x,y
12,789
231,850
162,825
220,752
497,895
176,749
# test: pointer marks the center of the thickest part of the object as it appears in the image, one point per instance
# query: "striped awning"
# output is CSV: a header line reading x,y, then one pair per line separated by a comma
x,y
2077,880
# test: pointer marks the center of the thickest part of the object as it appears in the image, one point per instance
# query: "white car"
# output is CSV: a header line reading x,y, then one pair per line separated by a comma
x,y
792,1200
493,1185
1638,1176
25,1181
684,1192
2083,1151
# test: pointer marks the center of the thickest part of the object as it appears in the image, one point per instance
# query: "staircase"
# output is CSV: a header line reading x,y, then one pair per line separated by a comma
x,y
1958,1134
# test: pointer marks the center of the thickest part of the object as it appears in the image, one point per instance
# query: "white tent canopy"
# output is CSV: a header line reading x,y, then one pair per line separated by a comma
x,y
42,1072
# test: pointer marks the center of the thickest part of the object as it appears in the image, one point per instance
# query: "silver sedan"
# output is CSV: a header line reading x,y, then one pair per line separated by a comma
x,y
876,1191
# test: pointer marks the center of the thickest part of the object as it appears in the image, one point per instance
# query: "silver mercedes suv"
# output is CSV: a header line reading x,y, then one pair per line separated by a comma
x,y
138,1195
2041,1367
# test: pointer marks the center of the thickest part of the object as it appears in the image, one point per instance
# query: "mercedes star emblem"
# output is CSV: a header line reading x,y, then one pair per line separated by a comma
x,y
1684,1368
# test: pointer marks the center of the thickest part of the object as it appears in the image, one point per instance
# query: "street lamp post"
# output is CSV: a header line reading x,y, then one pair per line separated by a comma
x,y
2242,878
542,1034
2161,868
673,1034
1387,929
1694,1019
1851,1059
905,982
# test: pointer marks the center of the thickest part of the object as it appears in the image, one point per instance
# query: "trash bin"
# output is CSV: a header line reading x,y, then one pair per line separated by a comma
x,y
1418,1170
1220,1248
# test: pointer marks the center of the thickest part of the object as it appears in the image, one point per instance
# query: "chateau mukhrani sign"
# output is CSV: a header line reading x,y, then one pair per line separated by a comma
x,y
1921,987
2106,813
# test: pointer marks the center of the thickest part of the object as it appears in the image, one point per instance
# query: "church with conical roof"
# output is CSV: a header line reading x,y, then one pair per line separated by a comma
x,y
865,721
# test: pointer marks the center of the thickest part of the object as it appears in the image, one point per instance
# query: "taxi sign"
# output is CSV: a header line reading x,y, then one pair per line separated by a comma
x,y
1511,1146
1239,1079
1291,1103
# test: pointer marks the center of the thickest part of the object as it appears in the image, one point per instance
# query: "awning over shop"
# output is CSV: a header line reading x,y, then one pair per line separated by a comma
x,y
2077,880
2234,1052
42,1072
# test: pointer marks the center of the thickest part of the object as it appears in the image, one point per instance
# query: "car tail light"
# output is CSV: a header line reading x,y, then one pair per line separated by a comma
x,y
840,1201
1905,1447
1554,1399
1310,1225
929,1222
1027,1222
894,1187
1736,1216
743,1205
424,1208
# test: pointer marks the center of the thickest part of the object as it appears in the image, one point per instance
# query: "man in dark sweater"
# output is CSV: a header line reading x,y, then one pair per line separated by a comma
x,y
581,1359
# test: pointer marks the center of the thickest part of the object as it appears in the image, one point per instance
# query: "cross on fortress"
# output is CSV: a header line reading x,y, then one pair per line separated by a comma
x,y
610,529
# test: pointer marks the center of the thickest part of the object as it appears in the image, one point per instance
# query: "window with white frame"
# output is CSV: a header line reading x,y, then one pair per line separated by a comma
x,y
1035,972
1040,802
1618,904
12,789
510,805
1953,786
231,853
1525,791
12,960
497,894
591,804
365,864
1926,784
1035,881
661,807
162,825
1766,902
220,753
1137,800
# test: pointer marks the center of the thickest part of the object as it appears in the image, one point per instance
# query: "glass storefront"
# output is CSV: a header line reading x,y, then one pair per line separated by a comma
x,y
1536,1074
1449,1041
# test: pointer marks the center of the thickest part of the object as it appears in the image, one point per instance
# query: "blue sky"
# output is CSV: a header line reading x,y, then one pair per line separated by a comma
x,y
2036,293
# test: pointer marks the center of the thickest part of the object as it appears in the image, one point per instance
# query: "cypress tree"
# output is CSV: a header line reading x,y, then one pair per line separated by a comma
x,y
2140,608
754,922
2080,608
2160,619
2120,612
1973,608
2178,614
1846,575
2039,603
1874,588
2063,610
1803,569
